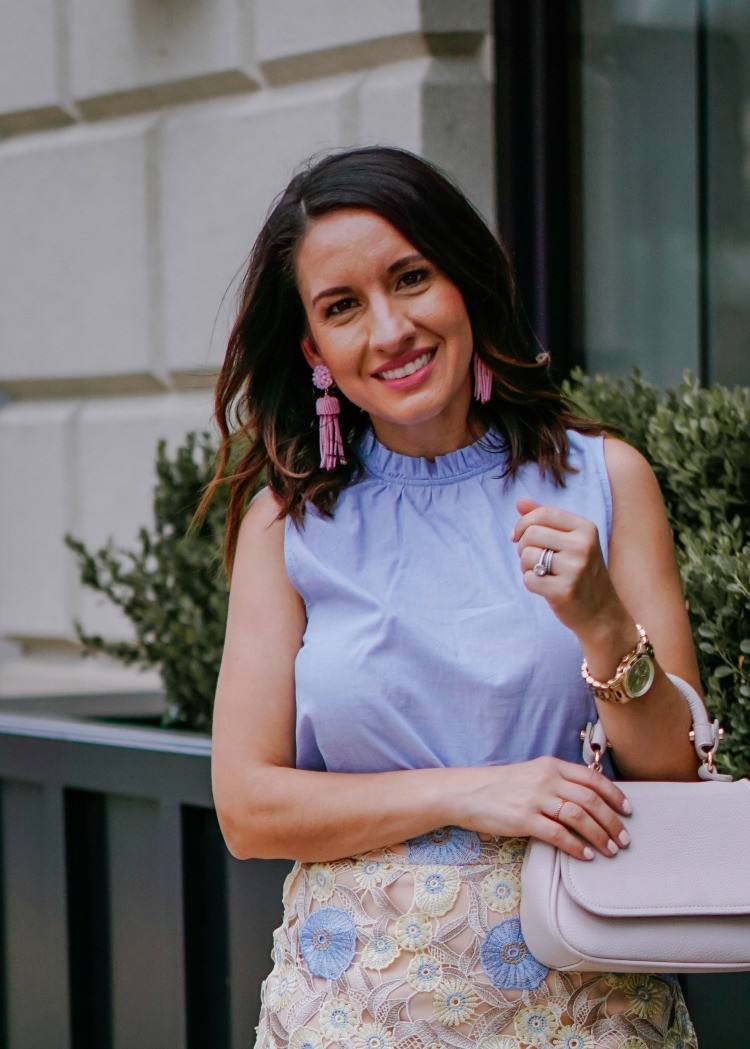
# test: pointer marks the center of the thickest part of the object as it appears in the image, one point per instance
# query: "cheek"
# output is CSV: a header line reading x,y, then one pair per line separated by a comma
x,y
450,312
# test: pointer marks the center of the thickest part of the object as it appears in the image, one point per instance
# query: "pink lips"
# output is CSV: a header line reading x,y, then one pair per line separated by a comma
x,y
407,381
404,359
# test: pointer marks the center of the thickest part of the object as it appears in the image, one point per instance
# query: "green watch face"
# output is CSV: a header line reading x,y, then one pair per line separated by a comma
x,y
640,676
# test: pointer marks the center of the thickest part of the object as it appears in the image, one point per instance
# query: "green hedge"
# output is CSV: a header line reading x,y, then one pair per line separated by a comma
x,y
173,589
698,442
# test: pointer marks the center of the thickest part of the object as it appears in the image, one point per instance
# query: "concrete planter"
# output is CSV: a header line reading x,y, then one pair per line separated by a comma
x,y
124,921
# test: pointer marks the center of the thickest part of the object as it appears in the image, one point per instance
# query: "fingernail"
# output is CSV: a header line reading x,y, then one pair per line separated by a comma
x,y
513,534
588,854
612,847
627,807
623,837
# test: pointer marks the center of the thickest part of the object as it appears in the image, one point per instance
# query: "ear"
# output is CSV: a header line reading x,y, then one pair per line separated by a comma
x,y
310,351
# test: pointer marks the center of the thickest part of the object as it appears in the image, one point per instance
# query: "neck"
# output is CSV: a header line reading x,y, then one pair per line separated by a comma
x,y
431,438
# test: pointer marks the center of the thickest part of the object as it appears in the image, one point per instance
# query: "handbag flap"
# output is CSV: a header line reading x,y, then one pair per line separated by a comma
x,y
689,854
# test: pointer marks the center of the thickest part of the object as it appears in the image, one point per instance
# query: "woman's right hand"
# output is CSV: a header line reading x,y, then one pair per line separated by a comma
x,y
568,805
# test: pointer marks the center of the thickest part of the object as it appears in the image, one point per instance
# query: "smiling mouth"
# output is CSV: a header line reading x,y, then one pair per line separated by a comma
x,y
410,368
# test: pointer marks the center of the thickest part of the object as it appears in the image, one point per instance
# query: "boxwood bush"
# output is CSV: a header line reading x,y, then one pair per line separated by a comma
x,y
172,586
173,589
698,441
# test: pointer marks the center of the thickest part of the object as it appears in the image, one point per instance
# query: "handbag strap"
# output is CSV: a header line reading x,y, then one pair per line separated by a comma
x,y
705,735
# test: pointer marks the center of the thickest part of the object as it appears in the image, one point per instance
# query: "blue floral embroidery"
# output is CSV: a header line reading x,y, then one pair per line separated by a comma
x,y
444,845
507,960
328,940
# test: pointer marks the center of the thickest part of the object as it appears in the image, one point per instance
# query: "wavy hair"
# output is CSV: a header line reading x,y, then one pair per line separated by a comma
x,y
264,397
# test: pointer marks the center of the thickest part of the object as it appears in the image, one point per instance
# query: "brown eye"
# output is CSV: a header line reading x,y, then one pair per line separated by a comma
x,y
338,307
413,277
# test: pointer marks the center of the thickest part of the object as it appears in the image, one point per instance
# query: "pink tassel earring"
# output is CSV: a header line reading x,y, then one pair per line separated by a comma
x,y
482,379
328,408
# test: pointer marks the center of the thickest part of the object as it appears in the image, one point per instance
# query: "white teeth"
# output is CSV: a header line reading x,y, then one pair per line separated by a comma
x,y
412,366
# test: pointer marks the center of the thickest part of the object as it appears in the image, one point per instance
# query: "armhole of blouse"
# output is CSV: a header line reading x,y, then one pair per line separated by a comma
x,y
601,465
290,557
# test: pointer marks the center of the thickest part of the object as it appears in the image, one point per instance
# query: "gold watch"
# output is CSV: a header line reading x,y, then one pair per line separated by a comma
x,y
634,675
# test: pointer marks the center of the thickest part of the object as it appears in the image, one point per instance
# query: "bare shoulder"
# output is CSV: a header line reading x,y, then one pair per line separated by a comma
x,y
261,532
262,513
627,468
259,564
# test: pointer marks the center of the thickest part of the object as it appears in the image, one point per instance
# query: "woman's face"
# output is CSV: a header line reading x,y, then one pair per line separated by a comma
x,y
392,329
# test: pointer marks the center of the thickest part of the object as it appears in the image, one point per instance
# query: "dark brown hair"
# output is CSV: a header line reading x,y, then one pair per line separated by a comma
x,y
264,393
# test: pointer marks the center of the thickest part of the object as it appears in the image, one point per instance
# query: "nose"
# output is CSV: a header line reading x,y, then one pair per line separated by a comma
x,y
390,324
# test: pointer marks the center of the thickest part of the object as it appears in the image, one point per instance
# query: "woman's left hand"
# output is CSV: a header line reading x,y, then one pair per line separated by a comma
x,y
578,587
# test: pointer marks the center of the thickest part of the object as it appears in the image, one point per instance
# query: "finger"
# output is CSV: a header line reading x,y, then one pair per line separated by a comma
x,y
553,516
541,535
524,505
610,827
530,556
580,821
598,782
557,834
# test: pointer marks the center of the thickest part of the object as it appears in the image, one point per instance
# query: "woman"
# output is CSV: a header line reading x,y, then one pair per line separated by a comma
x,y
400,696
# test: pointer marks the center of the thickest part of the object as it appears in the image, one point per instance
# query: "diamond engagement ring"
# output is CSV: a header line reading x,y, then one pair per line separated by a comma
x,y
544,564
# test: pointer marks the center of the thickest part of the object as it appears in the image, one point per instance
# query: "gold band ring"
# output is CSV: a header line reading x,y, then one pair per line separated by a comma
x,y
558,810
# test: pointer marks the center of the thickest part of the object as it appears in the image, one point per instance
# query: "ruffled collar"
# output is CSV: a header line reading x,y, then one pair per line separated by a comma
x,y
475,458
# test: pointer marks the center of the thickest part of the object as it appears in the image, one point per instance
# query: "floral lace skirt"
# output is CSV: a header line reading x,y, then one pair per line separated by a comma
x,y
419,945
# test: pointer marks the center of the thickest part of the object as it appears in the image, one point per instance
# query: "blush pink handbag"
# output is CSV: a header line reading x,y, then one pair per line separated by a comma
x,y
676,900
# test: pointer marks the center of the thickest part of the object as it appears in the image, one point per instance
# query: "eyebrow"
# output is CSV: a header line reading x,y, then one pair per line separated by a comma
x,y
342,288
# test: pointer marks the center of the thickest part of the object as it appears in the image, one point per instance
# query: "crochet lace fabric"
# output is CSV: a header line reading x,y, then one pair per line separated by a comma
x,y
419,945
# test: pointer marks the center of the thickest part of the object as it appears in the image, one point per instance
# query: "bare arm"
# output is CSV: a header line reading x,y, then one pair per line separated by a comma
x,y
601,604
268,809
649,739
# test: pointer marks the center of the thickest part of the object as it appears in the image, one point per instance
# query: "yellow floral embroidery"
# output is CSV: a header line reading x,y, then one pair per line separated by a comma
x,y
436,888
380,952
634,1043
455,1001
499,1041
536,1024
645,996
675,1039
413,931
574,1037
373,1036
615,980
320,876
281,986
512,850
424,972
305,1038
501,891
339,1018
370,872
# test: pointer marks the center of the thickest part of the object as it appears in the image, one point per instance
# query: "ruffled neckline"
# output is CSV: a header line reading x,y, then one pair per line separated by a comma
x,y
475,458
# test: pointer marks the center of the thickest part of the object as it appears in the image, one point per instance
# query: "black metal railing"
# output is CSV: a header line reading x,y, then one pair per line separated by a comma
x,y
125,923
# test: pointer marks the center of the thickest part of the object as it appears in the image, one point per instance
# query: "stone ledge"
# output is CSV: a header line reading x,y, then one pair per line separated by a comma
x,y
128,385
25,121
168,93
367,54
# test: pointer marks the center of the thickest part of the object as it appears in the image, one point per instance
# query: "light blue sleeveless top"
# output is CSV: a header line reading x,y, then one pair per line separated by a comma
x,y
423,647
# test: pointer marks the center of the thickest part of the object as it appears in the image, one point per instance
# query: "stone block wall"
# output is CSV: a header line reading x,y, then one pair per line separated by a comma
x,y
141,143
